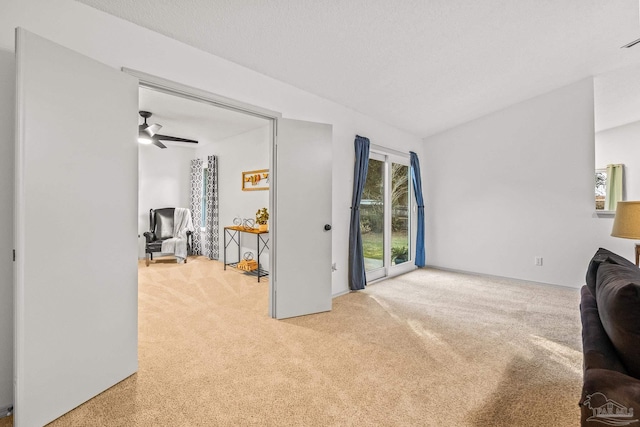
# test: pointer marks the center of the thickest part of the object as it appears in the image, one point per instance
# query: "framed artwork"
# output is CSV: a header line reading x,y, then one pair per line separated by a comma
x,y
255,180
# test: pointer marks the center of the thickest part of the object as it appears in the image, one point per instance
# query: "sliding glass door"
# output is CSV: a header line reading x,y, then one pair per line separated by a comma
x,y
372,216
400,213
385,215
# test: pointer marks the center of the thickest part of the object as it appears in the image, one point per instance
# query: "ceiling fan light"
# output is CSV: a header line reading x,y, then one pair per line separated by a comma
x,y
143,138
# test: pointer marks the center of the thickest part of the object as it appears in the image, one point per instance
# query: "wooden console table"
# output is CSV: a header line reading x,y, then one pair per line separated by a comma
x,y
234,232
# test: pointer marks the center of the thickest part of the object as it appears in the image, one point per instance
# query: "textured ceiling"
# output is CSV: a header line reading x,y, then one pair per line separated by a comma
x,y
423,66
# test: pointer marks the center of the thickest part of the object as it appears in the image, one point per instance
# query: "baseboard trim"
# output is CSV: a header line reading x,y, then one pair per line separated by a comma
x,y
339,294
395,273
493,276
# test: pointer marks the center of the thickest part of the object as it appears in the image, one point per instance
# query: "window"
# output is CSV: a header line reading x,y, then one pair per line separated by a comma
x,y
385,215
601,188
609,187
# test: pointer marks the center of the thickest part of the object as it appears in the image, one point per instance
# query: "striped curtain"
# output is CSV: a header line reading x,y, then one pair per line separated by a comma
x,y
196,205
212,239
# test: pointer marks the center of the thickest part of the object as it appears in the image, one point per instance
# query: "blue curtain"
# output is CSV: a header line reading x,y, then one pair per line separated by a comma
x,y
357,277
417,189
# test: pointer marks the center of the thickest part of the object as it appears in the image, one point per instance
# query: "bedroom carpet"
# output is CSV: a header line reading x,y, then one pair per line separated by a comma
x,y
429,348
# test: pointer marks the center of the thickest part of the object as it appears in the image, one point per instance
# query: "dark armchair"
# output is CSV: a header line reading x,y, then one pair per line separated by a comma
x,y
161,228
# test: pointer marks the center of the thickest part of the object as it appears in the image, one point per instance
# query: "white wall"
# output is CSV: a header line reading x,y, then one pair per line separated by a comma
x,y
245,152
621,145
119,43
517,184
7,89
164,182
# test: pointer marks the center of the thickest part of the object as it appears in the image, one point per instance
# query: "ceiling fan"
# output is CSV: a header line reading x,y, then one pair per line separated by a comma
x,y
147,134
632,43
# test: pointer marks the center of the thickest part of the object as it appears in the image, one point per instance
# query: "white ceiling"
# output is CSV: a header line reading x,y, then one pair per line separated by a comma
x,y
423,66
190,119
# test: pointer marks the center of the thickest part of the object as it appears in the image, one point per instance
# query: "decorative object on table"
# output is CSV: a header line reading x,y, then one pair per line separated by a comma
x,y
248,224
627,223
247,265
237,221
255,180
262,216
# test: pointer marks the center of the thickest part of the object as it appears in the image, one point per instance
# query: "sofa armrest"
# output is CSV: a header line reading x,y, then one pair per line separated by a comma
x,y
602,387
149,236
598,351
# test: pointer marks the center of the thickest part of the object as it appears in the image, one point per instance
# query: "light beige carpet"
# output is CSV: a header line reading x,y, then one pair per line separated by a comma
x,y
429,348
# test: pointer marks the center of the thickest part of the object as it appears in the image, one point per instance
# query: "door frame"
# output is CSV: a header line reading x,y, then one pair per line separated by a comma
x,y
170,87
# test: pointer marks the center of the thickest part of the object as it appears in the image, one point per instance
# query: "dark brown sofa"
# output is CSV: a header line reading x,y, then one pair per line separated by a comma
x,y
610,311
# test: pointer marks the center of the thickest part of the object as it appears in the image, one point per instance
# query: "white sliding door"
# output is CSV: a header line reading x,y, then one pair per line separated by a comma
x,y
386,219
303,206
76,229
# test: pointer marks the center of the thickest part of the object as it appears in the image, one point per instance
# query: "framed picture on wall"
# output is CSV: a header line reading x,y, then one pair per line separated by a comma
x,y
255,180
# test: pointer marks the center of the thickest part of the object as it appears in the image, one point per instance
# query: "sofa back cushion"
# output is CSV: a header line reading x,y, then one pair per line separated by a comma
x,y
602,256
618,301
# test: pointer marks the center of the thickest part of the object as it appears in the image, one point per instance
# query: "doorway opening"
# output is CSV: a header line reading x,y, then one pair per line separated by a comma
x,y
179,175
292,291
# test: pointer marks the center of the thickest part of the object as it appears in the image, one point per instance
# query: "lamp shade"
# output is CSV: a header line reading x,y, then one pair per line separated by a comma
x,y
627,221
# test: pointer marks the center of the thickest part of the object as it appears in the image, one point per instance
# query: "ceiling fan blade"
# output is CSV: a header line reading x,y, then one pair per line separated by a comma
x,y
174,138
157,143
153,129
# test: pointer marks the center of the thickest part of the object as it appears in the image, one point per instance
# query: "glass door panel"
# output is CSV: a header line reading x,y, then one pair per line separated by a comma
x,y
372,216
400,214
385,216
